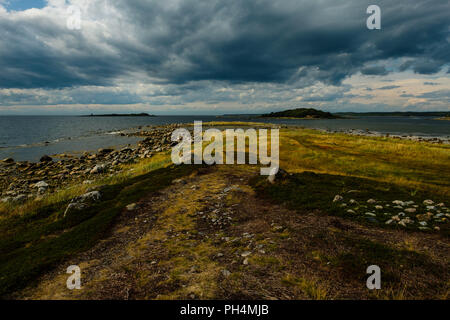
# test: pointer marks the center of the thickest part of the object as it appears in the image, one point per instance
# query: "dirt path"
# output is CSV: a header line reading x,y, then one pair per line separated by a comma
x,y
208,236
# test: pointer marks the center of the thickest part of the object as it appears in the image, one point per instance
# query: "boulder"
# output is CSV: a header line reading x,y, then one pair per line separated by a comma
x,y
82,202
99,168
41,184
338,198
104,151
131,207
8,160
45,158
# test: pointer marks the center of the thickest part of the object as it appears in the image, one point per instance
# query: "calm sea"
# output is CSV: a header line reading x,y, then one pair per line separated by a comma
x,y
30,137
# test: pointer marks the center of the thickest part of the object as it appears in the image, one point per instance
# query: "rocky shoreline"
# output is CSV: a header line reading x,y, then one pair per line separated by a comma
x,y
24,180
368,133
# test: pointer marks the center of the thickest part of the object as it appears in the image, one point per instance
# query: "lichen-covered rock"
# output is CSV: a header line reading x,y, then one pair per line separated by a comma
x,y
82,202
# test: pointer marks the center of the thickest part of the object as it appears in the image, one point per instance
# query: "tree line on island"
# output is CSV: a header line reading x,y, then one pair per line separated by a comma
x,y
304,113
311,113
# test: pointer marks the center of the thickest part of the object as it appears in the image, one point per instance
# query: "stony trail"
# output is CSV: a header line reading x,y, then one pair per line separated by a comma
x,y
208,236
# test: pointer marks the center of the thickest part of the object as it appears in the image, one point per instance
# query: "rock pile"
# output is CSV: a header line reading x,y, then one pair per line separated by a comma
x,y
423,216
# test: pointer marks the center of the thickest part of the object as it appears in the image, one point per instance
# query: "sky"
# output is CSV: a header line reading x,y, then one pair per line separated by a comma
x,y
222,57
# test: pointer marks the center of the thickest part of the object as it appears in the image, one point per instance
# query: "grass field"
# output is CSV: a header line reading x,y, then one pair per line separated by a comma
x,y
34,237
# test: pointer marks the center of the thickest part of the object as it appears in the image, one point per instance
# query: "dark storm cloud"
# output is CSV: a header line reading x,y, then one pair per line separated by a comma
x,y
28,62
280,41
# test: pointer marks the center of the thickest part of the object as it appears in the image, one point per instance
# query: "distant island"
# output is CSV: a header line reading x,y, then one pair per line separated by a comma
x,y
301,113
143,114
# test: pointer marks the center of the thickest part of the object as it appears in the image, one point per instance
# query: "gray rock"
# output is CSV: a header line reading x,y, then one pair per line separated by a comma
x,y
226,273
46,158
371,201
398,202
104,151
99,168
90,196
131,207
338,198
41,184
82,202
428,202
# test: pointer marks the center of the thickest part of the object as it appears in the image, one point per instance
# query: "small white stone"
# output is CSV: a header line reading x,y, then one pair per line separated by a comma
x,y
131,207
226,273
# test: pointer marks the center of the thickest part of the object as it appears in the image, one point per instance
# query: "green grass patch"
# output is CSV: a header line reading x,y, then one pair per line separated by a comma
x,y
44,239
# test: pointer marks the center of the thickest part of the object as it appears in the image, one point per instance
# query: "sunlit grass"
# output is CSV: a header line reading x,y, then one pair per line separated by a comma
x,y
128,171
403,162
